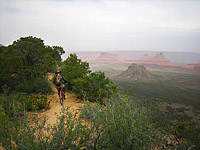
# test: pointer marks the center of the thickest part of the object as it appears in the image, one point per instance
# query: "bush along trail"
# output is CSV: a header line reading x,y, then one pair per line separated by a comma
x,y
55,107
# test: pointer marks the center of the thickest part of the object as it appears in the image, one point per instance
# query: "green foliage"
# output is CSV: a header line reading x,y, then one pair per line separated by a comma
x,y
8,67
14,104
53,67
5,130
94,87
58,50
120,124
11,104
36,85
90,86
68,133
187,133
27,59
37,102
73,68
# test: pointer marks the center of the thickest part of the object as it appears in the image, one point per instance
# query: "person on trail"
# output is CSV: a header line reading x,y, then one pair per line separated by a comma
x,y
59,81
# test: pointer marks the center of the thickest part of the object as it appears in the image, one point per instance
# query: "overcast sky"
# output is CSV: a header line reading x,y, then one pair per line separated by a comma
x,y
104,25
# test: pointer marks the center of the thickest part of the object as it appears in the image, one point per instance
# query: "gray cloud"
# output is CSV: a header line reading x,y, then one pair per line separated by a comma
x,y
104,25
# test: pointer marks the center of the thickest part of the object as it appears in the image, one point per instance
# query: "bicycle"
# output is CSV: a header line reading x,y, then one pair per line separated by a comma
x,y
61,95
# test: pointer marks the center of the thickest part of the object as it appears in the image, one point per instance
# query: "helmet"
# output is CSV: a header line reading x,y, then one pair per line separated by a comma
x,y
58,72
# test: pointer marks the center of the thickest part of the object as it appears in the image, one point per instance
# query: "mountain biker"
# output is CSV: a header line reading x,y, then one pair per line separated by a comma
x,y
59,81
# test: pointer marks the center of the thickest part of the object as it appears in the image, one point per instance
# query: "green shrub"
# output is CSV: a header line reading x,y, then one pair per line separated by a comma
x,y
26,61
5,130
94,87
187,133
37,85
73,68
36,102
52,68
15,103
68,133
11,104
120,124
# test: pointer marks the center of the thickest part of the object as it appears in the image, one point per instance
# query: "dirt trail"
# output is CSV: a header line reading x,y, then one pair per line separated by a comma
x,y
55,106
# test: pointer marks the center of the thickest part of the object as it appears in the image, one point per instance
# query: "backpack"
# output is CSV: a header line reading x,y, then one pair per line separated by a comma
x,y
58,80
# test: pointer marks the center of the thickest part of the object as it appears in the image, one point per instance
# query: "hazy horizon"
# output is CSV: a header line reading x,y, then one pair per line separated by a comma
x,y
178,57
104,25
110,51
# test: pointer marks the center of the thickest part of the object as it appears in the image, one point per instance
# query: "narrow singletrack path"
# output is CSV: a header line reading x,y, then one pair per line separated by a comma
x,y
55,106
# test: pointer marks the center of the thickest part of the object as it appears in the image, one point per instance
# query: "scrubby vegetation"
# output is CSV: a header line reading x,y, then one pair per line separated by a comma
x,y
120,124
39,85
74,68
23,66
15,103
68,133
89,86
25,63
94,87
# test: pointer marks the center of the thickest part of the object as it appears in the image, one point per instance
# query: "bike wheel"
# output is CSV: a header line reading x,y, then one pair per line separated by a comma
x,y
61,98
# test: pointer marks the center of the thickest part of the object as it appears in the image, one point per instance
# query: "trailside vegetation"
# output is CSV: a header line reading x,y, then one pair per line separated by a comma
x,y
24,65
26,62
14,104
73,68
92,86
120,124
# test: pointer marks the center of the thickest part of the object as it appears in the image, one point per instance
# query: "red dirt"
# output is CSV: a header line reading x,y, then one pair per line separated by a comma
x,y
194,67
